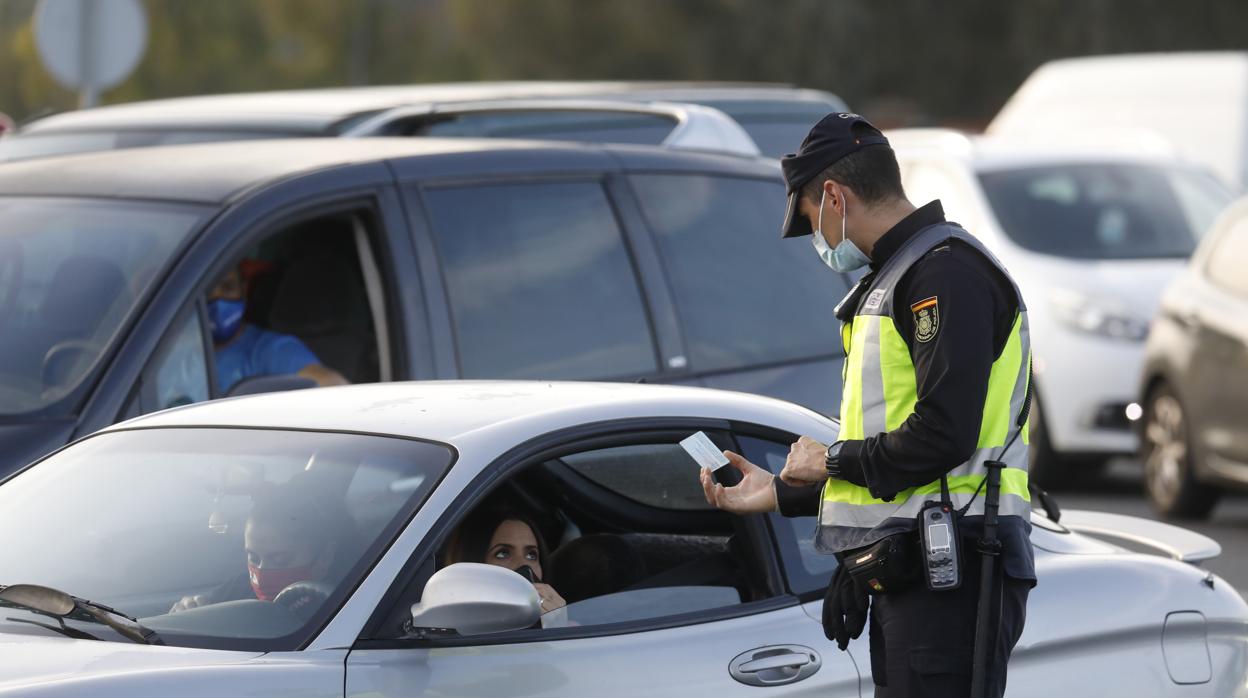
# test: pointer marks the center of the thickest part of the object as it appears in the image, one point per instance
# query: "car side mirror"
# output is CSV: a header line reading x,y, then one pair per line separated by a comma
x,y
269,384
471,598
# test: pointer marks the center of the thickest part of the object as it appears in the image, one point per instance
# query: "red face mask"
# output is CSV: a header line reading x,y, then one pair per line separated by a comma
x,y
267,583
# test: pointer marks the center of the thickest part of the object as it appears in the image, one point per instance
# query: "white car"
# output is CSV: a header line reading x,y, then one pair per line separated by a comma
x,y
168,509
1092,236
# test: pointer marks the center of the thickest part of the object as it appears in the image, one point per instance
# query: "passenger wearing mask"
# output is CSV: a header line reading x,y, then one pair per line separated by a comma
x,y
244,350
294,534
508,539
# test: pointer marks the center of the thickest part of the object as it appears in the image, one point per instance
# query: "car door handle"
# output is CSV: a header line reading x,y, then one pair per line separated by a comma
x,y
775,665
780,661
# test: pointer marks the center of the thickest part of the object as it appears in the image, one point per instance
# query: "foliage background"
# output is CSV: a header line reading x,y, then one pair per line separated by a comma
x,y
901,61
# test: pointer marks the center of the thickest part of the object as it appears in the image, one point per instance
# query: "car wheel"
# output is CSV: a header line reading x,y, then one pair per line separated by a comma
x,y
1049,468
1169,477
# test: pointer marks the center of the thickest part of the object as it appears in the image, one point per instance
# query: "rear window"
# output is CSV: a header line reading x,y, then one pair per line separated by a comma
x,y
540,282
745,296
1104,211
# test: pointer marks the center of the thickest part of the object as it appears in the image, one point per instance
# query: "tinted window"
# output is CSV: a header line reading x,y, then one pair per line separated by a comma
x,y
659,475
143,520
540,283
590,126
1229,260
745,296
1103,211
71,273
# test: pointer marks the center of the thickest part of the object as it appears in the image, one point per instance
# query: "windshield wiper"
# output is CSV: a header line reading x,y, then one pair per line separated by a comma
x,y
59,605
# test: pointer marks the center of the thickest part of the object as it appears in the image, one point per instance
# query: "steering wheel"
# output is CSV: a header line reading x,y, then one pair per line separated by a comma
x,y
302,598
54,359
10,269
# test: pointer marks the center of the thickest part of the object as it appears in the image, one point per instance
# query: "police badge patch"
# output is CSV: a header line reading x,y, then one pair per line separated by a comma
x,y
926,319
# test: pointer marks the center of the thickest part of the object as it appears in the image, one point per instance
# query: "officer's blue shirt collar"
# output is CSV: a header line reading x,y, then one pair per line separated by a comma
x,y
906,228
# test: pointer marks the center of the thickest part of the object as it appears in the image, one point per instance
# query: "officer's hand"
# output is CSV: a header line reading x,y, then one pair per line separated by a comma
x,y
845,607
755,494
807,463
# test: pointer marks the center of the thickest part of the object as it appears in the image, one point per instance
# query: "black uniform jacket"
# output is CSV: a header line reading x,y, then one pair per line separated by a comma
x,y
977,308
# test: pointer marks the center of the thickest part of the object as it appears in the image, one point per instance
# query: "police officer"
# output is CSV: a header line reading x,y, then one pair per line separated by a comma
x,y
935,384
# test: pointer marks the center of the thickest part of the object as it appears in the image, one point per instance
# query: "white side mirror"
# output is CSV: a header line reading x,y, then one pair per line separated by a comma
x,y
472,598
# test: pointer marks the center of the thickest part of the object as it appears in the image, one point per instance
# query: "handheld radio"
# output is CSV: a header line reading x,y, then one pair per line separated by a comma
x,y
938,535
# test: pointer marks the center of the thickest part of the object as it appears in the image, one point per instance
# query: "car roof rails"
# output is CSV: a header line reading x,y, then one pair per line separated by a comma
x,y
696,127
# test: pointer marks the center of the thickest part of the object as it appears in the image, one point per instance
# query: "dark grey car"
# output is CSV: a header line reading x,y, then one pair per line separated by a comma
x,y
399,259
1195,392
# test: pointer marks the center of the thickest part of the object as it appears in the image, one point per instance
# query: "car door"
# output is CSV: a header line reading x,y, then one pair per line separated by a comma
x,y
1218,374
756,312
693,640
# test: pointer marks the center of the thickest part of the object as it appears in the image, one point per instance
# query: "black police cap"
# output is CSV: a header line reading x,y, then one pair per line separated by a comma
x,y
830,140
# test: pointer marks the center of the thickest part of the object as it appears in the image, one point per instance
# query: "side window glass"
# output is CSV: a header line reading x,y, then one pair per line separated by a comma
x,y
745,296
540,283
1226,264
807,569
178,373
566,125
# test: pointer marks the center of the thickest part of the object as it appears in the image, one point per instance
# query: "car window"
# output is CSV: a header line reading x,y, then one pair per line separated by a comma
x,y
199,532
540,282
558,125
745,296
1230,255
72,272
178,374
612,553
1103,210
807,569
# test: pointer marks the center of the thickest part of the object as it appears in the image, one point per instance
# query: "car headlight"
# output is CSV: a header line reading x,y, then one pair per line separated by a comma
x,y
1097,316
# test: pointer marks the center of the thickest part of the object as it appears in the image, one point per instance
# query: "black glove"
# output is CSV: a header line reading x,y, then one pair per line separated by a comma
x,y
845,607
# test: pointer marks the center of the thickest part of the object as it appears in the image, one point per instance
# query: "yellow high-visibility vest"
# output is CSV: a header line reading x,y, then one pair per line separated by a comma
x,y
881,392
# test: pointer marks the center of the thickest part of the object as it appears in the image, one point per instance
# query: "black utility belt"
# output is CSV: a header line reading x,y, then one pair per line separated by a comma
x,y
890,564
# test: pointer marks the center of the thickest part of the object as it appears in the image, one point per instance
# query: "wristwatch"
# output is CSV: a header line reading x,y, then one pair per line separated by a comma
x,y
832,461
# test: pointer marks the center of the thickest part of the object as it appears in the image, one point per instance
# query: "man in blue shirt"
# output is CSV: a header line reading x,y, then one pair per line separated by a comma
x,y
244,350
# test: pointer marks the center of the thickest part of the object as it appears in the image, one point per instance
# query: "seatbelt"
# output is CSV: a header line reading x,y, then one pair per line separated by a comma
x,y
990,552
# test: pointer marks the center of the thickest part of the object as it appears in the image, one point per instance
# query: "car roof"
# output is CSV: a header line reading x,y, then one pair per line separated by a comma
x,y
457,412
987,152
317,111
219,172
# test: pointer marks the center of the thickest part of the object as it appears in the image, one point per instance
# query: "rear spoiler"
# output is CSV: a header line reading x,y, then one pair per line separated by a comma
x,y
1174,542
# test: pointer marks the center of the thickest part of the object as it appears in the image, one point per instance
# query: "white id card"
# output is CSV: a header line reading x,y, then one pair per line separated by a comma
x,y
704,451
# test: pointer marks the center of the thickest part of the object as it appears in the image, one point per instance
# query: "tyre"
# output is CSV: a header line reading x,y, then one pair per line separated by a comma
x,y
1051,469
1169,460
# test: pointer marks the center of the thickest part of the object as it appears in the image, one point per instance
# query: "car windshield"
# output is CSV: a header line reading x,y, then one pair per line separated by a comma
x,y
1105,210
71,273
245,539
39,145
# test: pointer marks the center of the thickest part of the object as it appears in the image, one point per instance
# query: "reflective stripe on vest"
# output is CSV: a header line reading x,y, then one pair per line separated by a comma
x,y
881,392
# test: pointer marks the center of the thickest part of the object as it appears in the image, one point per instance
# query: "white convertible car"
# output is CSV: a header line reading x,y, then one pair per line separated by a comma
x,y
312,543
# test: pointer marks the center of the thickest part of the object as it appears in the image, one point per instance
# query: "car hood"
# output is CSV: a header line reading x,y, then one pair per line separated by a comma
x,y
1135,285
33,661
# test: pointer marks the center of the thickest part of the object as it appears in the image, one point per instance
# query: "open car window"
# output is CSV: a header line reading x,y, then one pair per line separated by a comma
x,y
628,534
241,539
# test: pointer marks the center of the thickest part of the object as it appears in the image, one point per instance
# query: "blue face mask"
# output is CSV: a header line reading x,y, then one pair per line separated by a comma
x,y
846,257
224,317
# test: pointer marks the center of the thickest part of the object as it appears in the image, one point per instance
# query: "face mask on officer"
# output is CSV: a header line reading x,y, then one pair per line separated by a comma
x,y
846,256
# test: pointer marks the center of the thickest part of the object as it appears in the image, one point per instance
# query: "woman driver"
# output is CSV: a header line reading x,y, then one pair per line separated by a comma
x,y
508,539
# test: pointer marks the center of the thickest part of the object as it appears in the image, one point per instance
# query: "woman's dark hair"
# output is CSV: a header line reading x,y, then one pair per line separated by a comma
x,y
471,540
